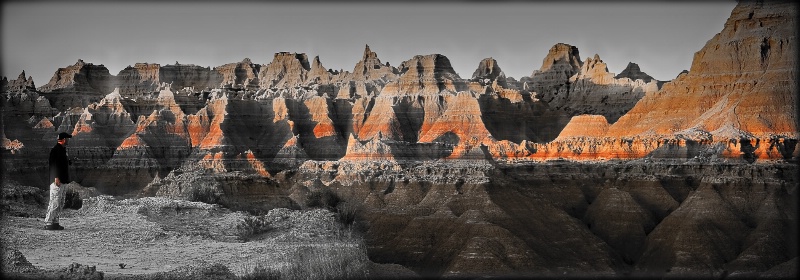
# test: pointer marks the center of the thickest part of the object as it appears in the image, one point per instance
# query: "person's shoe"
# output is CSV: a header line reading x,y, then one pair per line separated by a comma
x,y
53,227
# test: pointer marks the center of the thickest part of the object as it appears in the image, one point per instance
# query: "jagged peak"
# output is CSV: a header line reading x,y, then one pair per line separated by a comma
x,y
301,57
247,61
488,69
22,76
633,66
594,64
368,53
316,63
562,54
633,72
80,62
370,67
489,62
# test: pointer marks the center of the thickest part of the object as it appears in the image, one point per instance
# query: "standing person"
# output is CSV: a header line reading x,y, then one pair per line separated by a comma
x,y
59,175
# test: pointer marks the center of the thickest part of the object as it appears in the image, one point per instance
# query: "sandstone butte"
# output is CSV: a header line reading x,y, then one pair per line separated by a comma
x,y
735,103
737,97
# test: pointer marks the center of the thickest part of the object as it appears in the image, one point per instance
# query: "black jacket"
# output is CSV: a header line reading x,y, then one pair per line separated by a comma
x,y
59,164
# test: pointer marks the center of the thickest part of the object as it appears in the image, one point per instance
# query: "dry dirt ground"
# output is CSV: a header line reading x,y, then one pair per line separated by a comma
x,y
124,237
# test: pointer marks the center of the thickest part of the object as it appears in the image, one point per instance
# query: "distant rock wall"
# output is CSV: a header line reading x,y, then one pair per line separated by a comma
x,y
735,105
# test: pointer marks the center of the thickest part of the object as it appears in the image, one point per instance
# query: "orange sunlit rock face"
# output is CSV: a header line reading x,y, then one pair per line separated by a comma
x,y
318,108
741,78
256,165
507,150
213,162
198,125
133,141
44,124
584,126
215,136
592,149
381,121
462,120
737,95
82,126
462,117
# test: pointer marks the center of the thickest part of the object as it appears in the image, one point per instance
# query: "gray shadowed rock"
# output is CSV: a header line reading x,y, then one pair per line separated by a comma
x,y
16,266
633,72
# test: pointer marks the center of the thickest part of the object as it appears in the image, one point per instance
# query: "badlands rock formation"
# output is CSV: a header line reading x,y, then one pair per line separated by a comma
x,y
569,84
488,70
420,148
242,74
633,72
741,86
742,81
80,78
78,85
185,114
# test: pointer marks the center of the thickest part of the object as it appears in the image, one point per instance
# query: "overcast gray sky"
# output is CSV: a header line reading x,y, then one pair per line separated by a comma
x,y
662,37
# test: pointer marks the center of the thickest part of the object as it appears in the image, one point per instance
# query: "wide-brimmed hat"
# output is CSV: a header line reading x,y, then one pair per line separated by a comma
x,y
63,135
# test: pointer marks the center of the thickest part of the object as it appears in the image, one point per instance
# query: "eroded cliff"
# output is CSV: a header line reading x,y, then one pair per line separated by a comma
x,y
571,170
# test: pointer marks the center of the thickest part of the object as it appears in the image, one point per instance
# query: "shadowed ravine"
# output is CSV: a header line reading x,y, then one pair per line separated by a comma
x,y
586,220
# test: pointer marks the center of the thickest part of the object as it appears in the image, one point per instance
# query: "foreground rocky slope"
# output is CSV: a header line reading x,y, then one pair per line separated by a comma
x,y
161,238
639,218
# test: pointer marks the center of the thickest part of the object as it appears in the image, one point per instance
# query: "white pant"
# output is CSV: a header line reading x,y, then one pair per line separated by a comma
x,y
56,203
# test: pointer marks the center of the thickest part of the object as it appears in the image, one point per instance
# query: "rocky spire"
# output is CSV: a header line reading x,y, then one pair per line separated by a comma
x,y
21,83
488,69
316,63
425,75
593,67
633,72
368,53
370,67
286,70
318,73
561,57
